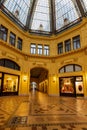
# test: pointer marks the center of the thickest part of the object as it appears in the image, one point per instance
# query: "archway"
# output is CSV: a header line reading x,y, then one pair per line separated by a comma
x,y
39,79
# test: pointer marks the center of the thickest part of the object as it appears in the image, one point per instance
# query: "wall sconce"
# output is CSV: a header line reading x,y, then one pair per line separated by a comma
x,y
54,79
25,78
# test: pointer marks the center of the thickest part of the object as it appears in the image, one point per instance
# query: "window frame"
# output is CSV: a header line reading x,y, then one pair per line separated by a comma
x,y
39,49
19,43
33,48
76,42
67,45
46,50
12,39
3,33
60,47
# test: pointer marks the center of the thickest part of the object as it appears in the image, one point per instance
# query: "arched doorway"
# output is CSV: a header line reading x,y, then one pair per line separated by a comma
x,y
39,79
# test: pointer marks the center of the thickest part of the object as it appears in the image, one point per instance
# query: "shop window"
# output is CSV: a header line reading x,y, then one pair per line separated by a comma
x,y
46,50
70,68
10,83
19,44
12,39
76,42
60,48
3,33
33,48
67,85
67,45
9,64
39,49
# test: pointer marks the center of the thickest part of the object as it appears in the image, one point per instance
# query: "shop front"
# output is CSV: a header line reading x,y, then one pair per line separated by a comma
x,y
9,84
71,86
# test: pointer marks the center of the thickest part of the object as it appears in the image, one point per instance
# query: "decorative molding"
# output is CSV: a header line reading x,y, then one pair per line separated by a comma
x,y
11,56
26,57
39,63
34,63
4,53
85,51
53,60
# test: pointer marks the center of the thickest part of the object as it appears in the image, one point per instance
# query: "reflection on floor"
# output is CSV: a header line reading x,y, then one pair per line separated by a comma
x,y
41,112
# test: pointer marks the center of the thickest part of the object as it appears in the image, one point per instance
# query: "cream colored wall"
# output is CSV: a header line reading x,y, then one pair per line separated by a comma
x,y
52,63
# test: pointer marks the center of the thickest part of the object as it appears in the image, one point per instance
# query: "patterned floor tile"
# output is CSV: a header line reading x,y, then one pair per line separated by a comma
x,y
39,111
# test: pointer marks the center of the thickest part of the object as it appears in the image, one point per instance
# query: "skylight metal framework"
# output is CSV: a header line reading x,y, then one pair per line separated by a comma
x,y
44,16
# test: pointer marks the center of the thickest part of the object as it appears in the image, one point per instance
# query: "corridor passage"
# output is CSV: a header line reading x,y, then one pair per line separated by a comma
x,y
39,111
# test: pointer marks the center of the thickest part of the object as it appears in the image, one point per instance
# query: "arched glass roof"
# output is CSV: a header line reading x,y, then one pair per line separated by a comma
x,y
45,16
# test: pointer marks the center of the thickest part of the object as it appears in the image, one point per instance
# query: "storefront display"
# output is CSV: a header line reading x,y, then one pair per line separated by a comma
x,y
9,84
71,86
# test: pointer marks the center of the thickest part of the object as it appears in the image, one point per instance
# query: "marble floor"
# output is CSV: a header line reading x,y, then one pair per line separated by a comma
x,y
39,111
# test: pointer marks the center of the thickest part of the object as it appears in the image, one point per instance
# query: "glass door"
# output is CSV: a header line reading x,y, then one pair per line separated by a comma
x,y
79,86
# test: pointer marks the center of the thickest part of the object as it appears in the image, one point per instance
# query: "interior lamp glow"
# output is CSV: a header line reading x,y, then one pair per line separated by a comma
x,y
25,78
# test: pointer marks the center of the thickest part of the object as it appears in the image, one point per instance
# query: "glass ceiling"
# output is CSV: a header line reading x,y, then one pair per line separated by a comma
x,y
45,15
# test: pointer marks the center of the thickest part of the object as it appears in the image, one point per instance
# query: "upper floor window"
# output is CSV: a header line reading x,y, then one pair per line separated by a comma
x,y
46,50
76,42
33,48
39,49
12,39
60,48
19,43
67,45
3,33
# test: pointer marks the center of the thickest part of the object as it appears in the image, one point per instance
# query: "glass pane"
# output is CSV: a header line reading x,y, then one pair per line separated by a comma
x,y
10,83
67,85
67,45
66,12
41,17
19,43
3,33
69,68
84,4
19,8
78,68
60,48
76,42
61,70
46,50
12,39
40,49
33,49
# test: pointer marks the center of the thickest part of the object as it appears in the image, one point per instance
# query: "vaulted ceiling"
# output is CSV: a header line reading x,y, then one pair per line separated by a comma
x,y
44,16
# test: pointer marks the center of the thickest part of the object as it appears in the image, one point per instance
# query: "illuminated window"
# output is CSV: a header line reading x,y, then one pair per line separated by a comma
x,y
39,49
33,48
46,50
